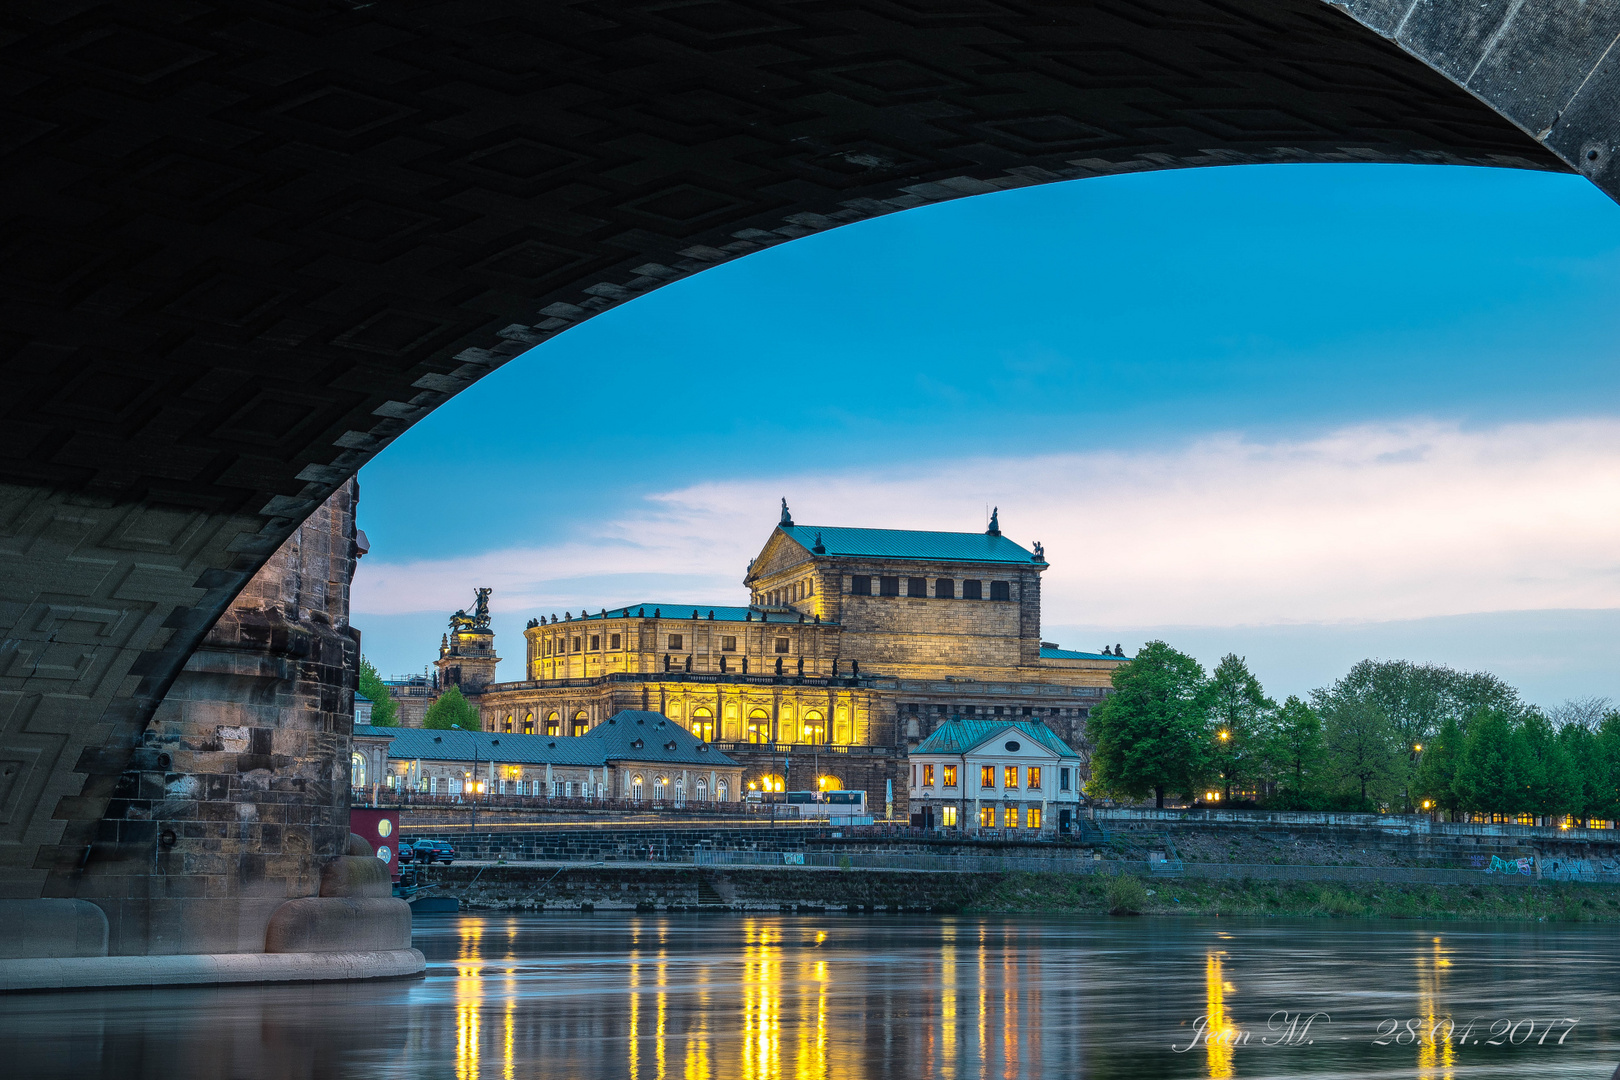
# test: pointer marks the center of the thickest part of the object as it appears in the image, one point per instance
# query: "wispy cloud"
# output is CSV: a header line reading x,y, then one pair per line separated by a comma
x,y
1363,523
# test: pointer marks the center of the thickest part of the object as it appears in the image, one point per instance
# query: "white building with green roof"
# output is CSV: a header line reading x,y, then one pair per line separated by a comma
x,y
1007,777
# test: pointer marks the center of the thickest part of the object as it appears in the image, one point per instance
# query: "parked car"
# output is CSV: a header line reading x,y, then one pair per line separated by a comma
x,y
429,851
405,852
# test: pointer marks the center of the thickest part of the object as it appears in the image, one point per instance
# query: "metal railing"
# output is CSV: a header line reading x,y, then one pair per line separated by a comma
x,y
394,799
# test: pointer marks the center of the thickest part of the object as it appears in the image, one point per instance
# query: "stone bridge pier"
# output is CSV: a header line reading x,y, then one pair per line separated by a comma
x,y
223,852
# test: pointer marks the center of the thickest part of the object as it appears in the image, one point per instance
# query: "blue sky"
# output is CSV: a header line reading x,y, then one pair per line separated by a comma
x,y
1333,398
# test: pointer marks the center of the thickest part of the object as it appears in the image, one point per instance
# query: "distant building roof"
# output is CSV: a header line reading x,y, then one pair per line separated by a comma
x,y
434,744
912,544
662,741
685,611
961,736
1049,653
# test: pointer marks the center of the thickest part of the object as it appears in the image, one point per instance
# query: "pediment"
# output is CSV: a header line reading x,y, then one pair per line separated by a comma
x,y
780,553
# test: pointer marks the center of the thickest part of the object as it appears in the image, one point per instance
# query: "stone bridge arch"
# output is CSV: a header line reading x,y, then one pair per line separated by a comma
x,y
248,244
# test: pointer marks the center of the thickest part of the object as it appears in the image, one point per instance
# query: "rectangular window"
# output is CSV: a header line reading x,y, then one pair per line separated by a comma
x,y
576,644
675,641
890,586
947,816
972,589
1063,779
782,644
1034,778
728,643
1009,776
950,776
1032,817
1000,590
613,642
596,642
987,817
1028,711
945,588
860,585
916,586
928,776
1009,817
987,776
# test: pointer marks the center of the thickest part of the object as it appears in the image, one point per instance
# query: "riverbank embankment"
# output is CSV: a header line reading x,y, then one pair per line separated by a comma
x,y
605,887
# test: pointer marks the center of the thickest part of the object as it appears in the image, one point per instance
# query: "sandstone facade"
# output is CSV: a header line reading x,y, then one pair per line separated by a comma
x,y
855,646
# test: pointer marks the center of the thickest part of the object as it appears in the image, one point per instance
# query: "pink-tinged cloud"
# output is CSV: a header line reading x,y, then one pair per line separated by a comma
x,y
1369,522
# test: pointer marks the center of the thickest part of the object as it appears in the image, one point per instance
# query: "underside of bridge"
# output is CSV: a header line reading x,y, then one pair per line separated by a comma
x,y
248,244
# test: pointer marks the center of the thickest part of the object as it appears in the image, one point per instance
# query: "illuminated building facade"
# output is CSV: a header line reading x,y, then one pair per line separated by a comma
x,y
856,644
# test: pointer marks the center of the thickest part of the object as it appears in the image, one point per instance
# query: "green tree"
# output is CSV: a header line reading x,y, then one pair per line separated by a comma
x,y
1239,716
452,709
1414,697
1360,747
1586,753
1436,778
1294,749
1493,772
1149,733
1553,786
1600,770
384,709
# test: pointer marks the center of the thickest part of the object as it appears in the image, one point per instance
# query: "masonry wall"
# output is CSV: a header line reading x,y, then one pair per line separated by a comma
x,y
239,793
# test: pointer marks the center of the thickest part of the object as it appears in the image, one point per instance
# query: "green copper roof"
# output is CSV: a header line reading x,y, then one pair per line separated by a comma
x,y
911,544
1070,654
662,742
960,736
685,611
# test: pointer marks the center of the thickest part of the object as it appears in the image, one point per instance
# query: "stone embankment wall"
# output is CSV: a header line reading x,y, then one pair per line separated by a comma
x,y
1194,842
653,887
1345,840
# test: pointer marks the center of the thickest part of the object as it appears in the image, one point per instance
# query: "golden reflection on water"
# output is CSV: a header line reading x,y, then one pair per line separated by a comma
x,y
1220,1035
1436,1053
469,998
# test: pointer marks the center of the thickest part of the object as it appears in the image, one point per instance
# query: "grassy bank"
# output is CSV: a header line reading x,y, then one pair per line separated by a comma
x,y
1551,902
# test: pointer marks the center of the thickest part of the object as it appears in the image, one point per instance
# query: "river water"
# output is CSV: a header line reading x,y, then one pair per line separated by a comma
x,y
828,997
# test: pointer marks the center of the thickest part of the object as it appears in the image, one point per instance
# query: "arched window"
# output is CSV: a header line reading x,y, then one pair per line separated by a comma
x,y
508,721
830,783
635,787
703,725
528,724
701,790
357,771
582,723
759,726
722,792
815,728
680,791
660,788
553,725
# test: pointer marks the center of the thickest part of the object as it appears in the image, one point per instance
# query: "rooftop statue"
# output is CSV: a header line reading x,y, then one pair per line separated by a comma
x,y
479,619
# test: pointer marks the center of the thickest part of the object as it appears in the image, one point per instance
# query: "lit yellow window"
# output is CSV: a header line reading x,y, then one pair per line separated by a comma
x,y
987,816
928,776
987,776
1011,817
1009,776
1032,817
947,816
1034,778
950,777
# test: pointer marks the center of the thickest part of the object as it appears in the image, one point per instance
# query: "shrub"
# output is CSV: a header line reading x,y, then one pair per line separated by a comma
x,y
1126,895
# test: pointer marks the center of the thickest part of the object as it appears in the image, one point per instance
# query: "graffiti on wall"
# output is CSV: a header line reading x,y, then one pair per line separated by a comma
x,y
1560,868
